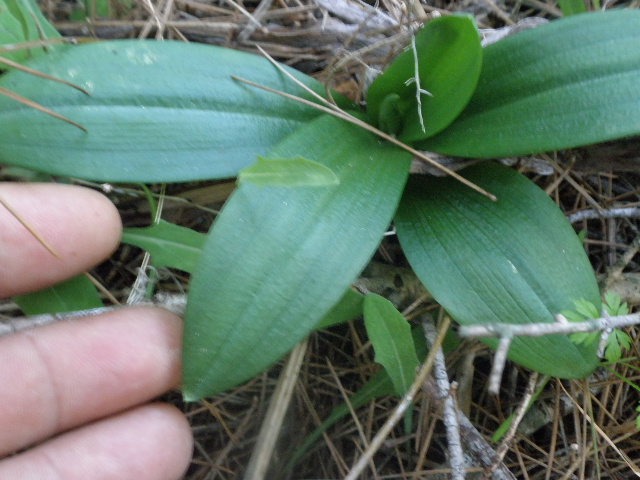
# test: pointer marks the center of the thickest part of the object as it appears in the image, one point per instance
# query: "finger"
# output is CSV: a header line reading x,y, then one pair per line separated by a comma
x,y
152,442
81,225
58,376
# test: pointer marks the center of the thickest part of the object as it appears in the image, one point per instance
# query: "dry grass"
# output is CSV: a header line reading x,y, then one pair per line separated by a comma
x,y
557,440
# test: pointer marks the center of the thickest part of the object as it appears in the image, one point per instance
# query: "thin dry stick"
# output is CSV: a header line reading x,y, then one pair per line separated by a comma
x,y
562,327
449,410
278,405
173,303
477,447
620,212
29,103
257,15
606,438
101,288
406,402
15,47
352,412
36,73
31,230
355,121
517,418
506,331
339,113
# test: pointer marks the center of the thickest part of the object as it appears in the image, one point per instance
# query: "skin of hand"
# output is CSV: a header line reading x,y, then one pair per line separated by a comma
x,y
74,395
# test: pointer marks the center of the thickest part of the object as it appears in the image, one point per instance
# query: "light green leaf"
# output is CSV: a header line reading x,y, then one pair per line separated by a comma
x,y
571,82
22,21
169,245
278,258
586,308
449,59
78,293
516,260
614,304
288,172
390,335
158,112
617,341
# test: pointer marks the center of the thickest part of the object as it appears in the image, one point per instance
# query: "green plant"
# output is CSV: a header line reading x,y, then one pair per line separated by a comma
x,y
617,339
286,247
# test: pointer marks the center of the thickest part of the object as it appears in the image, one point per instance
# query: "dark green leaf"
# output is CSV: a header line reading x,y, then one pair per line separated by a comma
x,y
390,335
571,82
516,260
278,258
348,308
288,172
449,59
169,245
158,112
77,293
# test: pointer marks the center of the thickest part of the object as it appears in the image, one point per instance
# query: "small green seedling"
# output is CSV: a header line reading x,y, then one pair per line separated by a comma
x,y
617,340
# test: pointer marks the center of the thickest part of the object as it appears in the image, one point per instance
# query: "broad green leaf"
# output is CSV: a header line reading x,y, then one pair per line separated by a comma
x,y
278,258
516,260
22,21
78,293
449,57
288,172
568,83
348,308
390,335
158,112
169,245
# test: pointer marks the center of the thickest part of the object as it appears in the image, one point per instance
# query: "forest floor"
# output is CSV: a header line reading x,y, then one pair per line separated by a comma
x,y
337,41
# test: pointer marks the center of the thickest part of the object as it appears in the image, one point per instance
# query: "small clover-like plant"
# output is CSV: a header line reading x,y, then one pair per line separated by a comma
x,y
617,340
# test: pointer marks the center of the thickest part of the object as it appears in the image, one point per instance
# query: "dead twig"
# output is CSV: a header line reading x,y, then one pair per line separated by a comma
x,y
506,331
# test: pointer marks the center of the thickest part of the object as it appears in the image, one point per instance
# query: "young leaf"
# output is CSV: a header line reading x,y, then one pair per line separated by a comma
x,y
22,21
288,172
158,112
169,245
278,258
390,335
583,309
617,341
449,57
613,304
77,293
571,82
516,260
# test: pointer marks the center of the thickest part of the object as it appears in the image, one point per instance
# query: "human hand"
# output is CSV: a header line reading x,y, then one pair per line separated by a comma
x,y
74,392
